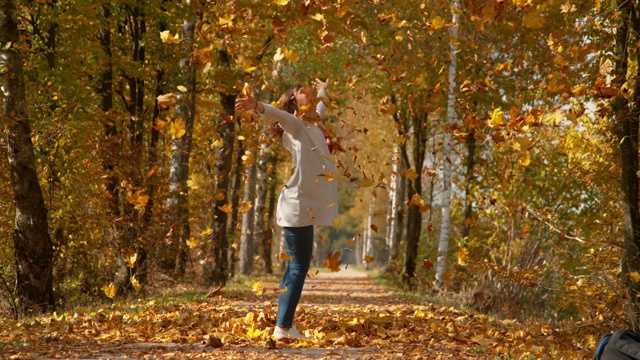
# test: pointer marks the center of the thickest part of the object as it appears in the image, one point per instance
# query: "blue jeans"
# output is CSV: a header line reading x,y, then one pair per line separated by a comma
x,y
299,245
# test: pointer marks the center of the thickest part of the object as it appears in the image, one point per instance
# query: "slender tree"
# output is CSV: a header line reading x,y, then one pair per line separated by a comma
x,y
443,244
32,245
178,201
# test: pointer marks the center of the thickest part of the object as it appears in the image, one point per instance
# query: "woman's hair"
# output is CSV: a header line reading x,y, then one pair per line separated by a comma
x,y
287,102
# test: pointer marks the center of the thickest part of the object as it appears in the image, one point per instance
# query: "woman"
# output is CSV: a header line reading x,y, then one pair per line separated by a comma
x,y
309,198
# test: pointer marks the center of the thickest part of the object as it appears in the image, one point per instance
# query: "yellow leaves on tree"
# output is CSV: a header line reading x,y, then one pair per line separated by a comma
x,y
332,262
167,38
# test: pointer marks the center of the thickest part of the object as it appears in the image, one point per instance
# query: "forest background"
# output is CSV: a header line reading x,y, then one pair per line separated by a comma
x,y
490,147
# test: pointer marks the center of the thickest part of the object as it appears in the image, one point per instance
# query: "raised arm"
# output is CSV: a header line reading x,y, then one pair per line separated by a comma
x,y
288,122
321,86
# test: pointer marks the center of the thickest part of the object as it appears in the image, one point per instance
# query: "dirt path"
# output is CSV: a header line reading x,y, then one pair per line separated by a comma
x,y
344,316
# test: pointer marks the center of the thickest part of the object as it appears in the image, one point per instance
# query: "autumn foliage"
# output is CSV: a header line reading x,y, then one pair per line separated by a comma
x,y
148,174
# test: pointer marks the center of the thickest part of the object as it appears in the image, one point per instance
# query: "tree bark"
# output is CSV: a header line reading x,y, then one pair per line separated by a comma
x,y
247,238
267,239
217,270
178,201
443,244
468,211
33,249
414,216
627,128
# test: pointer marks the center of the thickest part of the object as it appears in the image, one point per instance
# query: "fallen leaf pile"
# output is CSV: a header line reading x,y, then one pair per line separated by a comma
x,y
340,313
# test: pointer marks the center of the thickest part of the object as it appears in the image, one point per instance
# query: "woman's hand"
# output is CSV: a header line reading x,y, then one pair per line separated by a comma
x,y
246,104
319,84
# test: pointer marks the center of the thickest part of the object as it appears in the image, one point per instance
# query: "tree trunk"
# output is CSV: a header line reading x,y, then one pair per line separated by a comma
x,y
368,239
395,216
414,217
233,226
32,245
468,211
217,270
178,201
627,126
247,238
443,244
267,239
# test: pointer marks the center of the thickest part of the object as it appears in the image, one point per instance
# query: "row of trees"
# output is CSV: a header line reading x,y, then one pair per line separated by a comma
x,y
482,142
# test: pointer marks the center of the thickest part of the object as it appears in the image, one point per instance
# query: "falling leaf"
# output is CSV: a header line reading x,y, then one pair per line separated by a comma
x,y
109,290
227,208
285,257
368,259
426,264
193,243
283,290
336,222
246,90
463,256
130,257
374,228
352,240
417,200
635,276
411,174
244,207
257,287
497,118
182,88
178,128
166,100
167,38
282,2
438,22
135,283
332,262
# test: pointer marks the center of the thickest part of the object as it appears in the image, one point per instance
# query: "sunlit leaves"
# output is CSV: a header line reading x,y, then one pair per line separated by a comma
x,y
438,22
109,290
193,242
135,283
177,128
332,262
497,118
257,287
226,208
167,38
463,256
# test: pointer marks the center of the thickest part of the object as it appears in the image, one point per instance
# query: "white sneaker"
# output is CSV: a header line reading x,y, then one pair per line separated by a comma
x,y
292,333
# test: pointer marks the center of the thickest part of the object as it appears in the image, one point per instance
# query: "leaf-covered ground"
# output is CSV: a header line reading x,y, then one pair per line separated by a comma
x,y
344,315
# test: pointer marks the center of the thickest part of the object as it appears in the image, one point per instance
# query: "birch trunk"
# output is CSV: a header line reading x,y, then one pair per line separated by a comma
x,y
368,240
178,201
443,244
247,238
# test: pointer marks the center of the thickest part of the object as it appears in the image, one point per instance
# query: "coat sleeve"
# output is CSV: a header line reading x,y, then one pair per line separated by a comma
x,y
288,122
321,108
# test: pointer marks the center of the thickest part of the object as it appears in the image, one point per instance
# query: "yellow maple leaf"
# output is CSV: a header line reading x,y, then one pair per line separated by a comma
x,y
178,128
463,256
167,38
253,333
110,290
193,243
257,287
497,118
332,262
437,22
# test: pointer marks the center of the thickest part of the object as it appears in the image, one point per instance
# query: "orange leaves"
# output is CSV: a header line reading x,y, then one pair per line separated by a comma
x,y
332,262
